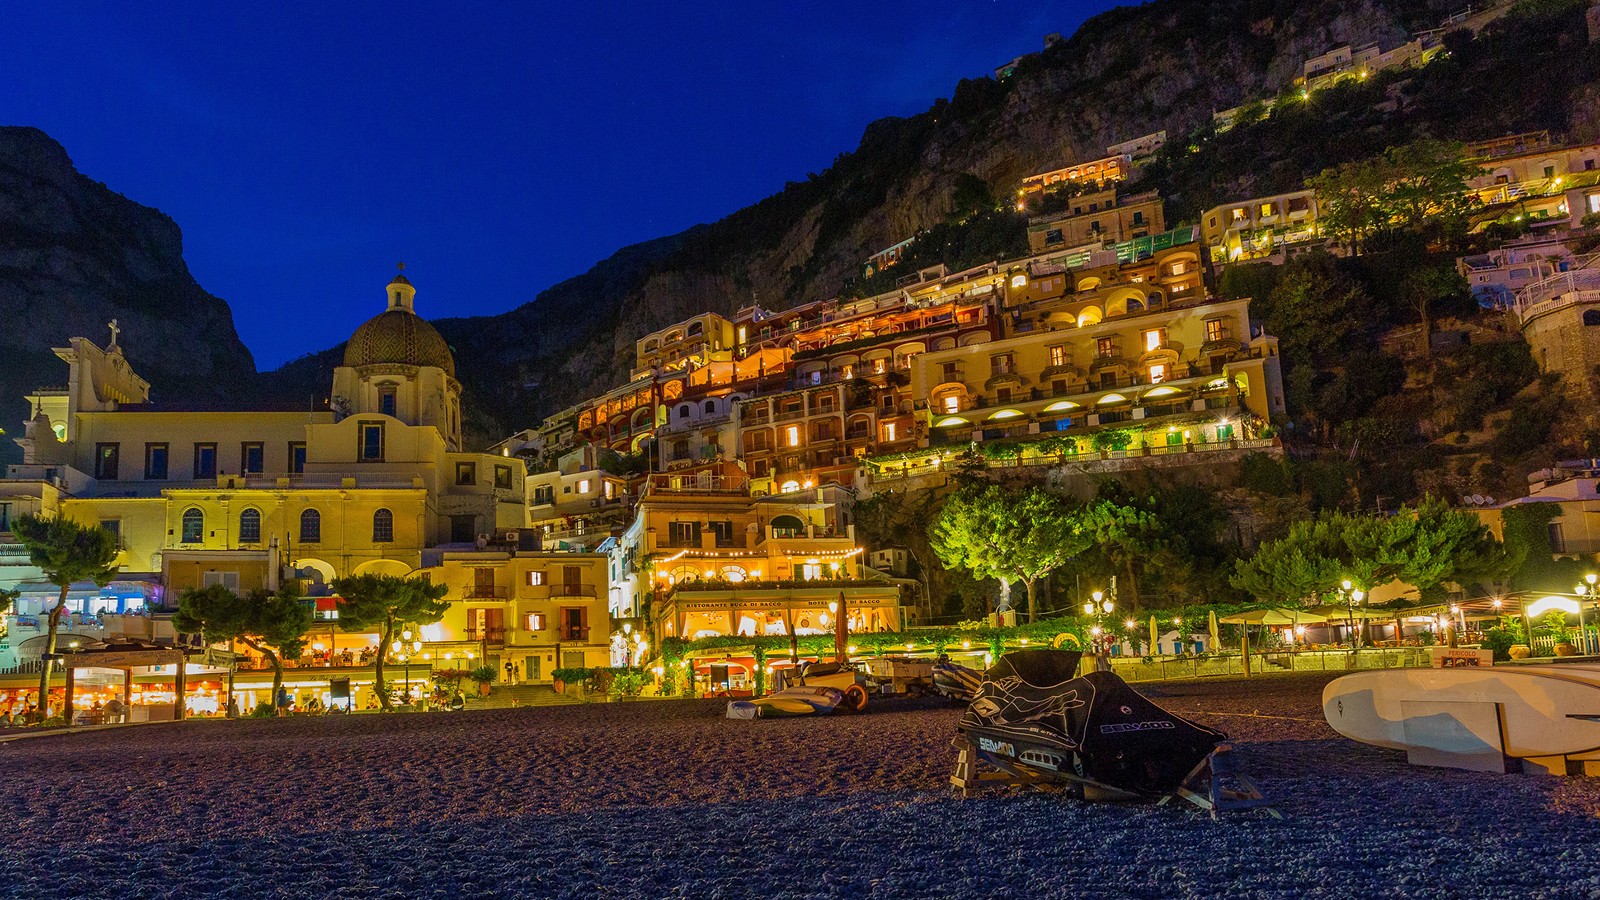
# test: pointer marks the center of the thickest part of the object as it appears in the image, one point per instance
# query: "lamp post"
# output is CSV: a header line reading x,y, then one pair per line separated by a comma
x,y
404,649
1097,609
1585,591
1352,596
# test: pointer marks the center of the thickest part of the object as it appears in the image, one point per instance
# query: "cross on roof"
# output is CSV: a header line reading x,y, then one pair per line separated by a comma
x,y
115,330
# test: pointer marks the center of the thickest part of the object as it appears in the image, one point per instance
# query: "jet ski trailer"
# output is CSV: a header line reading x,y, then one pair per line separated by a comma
x,y
1032,725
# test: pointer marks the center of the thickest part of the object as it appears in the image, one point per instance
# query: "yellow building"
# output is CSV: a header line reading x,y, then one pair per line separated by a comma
x,y
1261,226
1098,217
524,613
1103,360
717,559
252,498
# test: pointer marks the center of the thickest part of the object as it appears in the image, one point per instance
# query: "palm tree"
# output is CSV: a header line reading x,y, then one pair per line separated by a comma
x,y
66,552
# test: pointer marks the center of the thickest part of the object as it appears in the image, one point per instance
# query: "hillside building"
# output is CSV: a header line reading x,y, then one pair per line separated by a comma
x,y
1097,217
1261,227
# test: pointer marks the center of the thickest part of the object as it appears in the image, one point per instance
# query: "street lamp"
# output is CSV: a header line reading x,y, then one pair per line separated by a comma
x,y
1352,597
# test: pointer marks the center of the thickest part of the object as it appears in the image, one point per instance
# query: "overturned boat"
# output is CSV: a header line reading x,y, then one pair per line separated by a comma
x,y
812,700
1037,723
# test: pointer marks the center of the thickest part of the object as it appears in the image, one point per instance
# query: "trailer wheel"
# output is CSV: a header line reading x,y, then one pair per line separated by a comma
x,y
855,697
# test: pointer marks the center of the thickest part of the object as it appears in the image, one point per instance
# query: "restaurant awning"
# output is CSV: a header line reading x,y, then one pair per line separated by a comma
x,y
1274,617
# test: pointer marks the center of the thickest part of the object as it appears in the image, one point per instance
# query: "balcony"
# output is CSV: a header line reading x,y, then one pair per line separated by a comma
x,y
701,483
484,592
573,590
494,637
573,634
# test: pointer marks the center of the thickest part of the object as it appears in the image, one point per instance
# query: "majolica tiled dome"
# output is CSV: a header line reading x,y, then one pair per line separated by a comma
x,y
398,336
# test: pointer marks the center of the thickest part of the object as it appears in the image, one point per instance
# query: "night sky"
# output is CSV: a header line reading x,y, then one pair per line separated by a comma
x,y
497,148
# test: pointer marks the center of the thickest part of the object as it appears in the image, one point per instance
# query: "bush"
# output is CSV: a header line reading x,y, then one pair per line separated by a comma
x,y
263,711
1499,640
627,684
482,674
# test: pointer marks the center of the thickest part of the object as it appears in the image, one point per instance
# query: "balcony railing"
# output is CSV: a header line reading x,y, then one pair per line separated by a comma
x,y
491,636
575,634
573,590
484,592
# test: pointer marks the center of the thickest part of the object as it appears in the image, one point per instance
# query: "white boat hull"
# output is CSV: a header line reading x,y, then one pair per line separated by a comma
x,y
1538,711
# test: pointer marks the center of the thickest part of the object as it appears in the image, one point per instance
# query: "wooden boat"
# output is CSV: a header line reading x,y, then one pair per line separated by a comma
x,y
1473,718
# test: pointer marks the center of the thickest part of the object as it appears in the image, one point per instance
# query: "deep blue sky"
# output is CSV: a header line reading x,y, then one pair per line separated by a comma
x,y
497,148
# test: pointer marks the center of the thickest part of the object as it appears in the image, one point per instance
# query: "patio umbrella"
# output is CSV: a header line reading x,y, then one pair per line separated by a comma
x,y
1216,640
1155,636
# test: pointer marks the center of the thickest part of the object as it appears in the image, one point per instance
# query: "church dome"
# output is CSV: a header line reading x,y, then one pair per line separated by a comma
x,y
399,336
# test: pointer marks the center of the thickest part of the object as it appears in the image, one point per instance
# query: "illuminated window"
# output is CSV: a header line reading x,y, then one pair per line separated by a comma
x,y
1238,214
789,487
1154,338
1058,356
1001,364
535,622
1267,209
888,431
1178,268
792,435
1216,330
952,404
1158,374
583,485
811,571
535,578
1105,347
194,526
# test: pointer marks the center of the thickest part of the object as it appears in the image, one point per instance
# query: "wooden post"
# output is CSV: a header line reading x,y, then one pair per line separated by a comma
x,y
1244,649
66,710
179,687
127,694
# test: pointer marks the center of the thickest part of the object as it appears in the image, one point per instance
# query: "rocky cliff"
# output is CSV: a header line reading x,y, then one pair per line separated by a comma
x,y
73,256
1167,65
1163,65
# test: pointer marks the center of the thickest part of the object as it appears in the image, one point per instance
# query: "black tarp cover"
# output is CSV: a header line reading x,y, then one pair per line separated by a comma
x,y
1114,735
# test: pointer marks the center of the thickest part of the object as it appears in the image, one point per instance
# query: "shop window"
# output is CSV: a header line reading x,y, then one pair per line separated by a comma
x,y
382,527
194,526
310,527
250,526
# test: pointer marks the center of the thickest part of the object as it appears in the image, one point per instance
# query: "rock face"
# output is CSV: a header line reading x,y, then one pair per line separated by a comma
x,y
73,256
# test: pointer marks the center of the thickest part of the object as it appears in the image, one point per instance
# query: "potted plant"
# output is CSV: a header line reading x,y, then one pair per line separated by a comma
x,y
1518,648
483,675
1555,622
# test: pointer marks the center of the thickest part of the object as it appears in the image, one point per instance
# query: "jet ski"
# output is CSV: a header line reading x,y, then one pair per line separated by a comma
x,y
1029,709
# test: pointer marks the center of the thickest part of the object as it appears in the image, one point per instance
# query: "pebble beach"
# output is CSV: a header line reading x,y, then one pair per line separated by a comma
x,y
670,799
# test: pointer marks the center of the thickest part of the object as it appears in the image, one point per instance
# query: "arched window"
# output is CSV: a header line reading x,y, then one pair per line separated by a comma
x,y
382,527
250,526
310,527
1591,317
194,526
683,411
711,406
